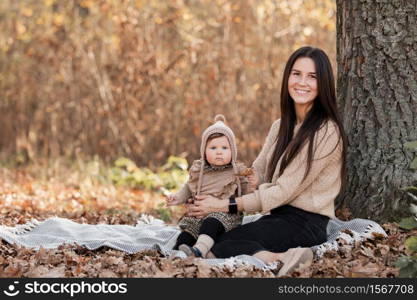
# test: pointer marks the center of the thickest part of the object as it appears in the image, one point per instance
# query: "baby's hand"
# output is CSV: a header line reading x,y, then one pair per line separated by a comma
x,y
246,172
253,180
172,200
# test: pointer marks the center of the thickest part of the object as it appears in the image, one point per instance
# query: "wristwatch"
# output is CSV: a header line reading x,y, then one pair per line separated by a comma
x,y
232,205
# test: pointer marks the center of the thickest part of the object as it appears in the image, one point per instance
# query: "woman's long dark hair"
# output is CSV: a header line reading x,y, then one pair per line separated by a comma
x,y
323,109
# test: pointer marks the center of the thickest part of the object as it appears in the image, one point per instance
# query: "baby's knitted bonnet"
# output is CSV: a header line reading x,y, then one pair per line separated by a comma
x,y
219,126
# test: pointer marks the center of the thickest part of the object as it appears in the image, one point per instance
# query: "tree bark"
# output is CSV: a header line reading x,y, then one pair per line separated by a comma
x,y
377,96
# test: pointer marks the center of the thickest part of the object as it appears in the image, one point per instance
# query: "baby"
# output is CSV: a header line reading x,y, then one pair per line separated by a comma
x,y
218,174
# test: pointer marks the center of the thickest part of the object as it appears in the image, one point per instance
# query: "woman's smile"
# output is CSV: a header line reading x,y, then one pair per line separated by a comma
x,y
301,92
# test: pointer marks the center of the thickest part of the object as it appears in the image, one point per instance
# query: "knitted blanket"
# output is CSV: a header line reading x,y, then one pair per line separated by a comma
x,y
154,234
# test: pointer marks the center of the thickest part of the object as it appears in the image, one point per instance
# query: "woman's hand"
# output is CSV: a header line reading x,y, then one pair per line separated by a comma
x,y
203,205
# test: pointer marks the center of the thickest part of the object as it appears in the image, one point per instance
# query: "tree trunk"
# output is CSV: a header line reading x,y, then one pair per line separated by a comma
x,y
377,95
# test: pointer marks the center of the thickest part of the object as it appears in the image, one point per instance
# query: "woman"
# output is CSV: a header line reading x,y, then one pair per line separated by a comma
x,y
299,171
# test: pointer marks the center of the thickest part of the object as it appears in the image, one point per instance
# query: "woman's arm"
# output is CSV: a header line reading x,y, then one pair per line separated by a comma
x,y
326,152
203,205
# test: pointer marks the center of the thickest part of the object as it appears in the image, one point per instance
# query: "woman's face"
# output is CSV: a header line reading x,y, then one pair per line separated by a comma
x,y
218,152
302,82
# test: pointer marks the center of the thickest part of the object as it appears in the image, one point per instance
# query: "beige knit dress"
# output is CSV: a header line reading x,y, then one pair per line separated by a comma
x,y
219,182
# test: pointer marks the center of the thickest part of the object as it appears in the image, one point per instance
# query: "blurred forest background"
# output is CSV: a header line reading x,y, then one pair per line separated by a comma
x,y
103,102
143,78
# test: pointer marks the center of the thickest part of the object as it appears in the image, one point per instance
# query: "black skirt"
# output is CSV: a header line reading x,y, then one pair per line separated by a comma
x,y
286,227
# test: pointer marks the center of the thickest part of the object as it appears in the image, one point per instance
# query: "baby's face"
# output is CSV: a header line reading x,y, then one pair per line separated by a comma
x,y
218,152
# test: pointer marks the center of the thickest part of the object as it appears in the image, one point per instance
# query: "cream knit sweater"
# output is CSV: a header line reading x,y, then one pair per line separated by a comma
x,y
318,190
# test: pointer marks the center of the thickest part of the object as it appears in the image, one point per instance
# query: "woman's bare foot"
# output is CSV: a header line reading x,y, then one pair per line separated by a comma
x,y
295,258
268,256
210,255
291,259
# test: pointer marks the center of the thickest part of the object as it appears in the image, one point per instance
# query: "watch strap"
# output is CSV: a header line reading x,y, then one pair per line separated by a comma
x,y
232,205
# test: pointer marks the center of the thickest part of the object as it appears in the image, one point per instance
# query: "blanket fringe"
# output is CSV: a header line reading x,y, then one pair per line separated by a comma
x,y
146,219
21,228
350,238
272,266
232,263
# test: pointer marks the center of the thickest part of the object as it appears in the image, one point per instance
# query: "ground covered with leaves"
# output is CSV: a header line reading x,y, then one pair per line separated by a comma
x,y
30,193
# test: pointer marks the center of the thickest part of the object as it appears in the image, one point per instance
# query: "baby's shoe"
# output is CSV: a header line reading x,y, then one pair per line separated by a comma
x,y
190,251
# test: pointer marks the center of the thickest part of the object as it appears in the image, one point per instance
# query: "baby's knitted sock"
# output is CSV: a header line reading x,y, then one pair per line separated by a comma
x,y
204,244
